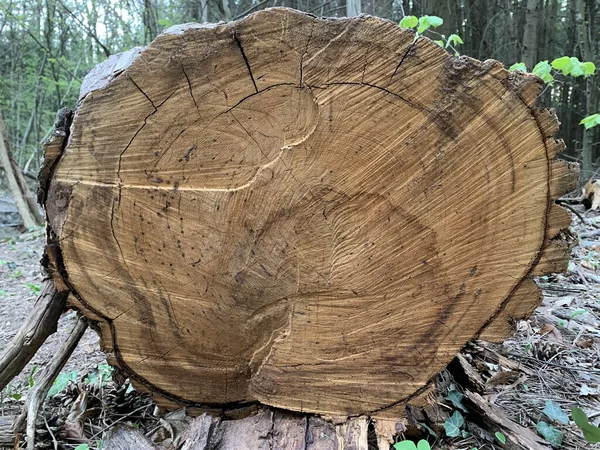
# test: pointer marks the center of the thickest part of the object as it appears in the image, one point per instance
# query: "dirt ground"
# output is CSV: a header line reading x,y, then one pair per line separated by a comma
x,y
554,356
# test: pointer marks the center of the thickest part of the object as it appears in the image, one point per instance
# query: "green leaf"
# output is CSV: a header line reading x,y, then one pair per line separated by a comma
x,y
543,70
590,121
82,447
440,43
549,433
577,312
30,379
561,63
454,39
501,438
409,22
423,445
35,288
518,67
405,445
453,424
590,432
424,24
17,396
61,382
555,412
456,398
588,68
435,21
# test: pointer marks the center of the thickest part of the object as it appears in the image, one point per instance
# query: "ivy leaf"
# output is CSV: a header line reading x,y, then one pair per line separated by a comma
x,y
501,438
409,22
590,432
453,424
456,398
518,67
454,39
555,412
590,121
440,43
549,433
405,445
423,445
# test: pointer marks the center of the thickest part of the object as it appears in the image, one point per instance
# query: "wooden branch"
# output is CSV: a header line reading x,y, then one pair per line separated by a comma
x,y
516,434
38,394
29,220
40,324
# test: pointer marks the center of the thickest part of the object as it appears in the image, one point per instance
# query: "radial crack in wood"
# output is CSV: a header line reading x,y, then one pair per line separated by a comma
x,y
313,214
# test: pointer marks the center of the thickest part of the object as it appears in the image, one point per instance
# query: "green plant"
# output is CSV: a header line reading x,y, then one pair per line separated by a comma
x,y
35,288
453,424
62,381
550,433
501,438
410,445
15,274
425,23
590,432
101,375
30,379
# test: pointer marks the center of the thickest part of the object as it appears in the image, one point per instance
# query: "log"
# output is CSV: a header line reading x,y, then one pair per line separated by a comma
x,y
311,214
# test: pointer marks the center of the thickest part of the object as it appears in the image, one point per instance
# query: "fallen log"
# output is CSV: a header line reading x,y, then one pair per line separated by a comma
x,y
306,213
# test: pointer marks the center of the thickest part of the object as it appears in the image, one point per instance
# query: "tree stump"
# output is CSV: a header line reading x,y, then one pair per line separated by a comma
x,y
313,214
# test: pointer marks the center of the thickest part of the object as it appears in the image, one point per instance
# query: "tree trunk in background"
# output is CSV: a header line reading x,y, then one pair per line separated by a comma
x,y
353,8
313,229
530,34
591,91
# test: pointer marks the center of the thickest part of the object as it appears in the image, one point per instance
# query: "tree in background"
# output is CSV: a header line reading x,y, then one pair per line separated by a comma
x,y
47,47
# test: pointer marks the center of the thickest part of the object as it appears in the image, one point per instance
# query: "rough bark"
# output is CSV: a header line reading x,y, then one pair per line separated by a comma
x,y
267,430
311,214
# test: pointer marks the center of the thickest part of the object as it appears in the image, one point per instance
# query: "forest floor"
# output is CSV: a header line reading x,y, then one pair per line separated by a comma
x,y
552,361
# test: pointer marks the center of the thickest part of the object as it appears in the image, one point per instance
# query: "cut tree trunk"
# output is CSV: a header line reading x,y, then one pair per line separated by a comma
x,y
311,214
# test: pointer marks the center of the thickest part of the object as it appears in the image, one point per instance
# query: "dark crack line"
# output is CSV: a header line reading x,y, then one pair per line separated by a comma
x,y
189,83
236,38
143,93
410,47
374,86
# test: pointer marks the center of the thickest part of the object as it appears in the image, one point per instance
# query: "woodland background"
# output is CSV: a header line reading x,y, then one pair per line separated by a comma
x,y
48,46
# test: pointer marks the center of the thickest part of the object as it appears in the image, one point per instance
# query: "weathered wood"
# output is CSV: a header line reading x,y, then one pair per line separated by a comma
x,y
41,323
517,436
271,429
123,437
311,214
19,196
39,392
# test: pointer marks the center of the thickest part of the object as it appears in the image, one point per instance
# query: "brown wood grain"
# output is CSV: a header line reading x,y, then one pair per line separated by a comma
x,y
312,214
